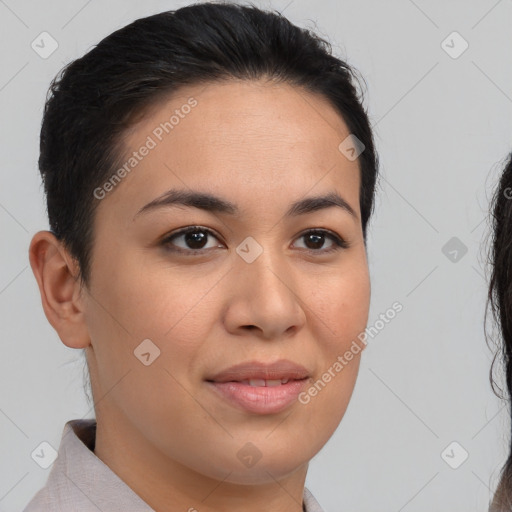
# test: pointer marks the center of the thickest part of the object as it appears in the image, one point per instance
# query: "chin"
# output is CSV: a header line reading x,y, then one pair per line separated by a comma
x,y
249,465
264,472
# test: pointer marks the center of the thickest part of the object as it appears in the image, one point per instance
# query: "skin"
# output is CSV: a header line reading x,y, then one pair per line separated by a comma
x,y
261,146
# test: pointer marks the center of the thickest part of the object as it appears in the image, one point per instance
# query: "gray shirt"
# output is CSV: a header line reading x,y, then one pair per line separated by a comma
x,y
81,482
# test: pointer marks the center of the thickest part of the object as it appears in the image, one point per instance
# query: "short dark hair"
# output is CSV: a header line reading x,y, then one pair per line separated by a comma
x,y
94,99
500,301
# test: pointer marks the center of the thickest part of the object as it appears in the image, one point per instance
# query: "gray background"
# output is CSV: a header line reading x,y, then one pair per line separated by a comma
x,y
443,127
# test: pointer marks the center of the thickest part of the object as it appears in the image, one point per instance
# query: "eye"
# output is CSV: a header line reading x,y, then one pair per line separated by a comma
x,y
191,239
197,239
315,239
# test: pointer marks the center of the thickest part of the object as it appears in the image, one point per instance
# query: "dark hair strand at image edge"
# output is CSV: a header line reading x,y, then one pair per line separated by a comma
x,y
499,303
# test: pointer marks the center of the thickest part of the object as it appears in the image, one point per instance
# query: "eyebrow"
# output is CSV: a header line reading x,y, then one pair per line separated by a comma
x,y
211,203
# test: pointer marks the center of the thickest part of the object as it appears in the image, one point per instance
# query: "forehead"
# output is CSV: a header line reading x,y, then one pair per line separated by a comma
x,y
252,138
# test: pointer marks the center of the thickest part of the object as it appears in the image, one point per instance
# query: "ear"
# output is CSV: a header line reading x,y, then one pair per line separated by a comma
x,y
56,273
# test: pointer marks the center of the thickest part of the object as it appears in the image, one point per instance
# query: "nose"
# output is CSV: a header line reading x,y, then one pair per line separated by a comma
x,y
263,298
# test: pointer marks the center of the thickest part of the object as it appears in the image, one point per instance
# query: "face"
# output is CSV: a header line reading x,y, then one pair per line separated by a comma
x,y
250,282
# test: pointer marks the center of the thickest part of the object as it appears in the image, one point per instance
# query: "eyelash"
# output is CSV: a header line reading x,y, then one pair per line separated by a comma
x,y
339,243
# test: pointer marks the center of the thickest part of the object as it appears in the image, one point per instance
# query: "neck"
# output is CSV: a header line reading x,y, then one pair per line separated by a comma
x,y
167,485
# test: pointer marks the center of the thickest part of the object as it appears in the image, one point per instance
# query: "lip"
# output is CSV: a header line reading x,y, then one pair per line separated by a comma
x,y
281,369
229,384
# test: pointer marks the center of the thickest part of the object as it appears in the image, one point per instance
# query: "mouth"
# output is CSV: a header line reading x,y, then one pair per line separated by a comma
x,y
260,388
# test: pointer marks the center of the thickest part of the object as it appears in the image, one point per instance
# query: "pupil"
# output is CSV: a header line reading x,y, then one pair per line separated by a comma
x,y
316,239
195,239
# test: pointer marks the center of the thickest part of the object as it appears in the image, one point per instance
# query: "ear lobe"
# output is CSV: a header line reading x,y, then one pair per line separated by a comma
x,y
56,274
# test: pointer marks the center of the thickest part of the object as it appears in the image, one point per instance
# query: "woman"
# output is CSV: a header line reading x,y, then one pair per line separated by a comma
x,y
210,174
500,300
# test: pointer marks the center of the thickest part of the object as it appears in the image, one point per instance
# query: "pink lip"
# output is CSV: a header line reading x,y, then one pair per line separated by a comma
x,y
261,399
281,369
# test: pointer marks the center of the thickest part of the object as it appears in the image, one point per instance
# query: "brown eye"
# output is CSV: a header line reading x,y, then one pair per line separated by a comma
x,y
191,239
314,241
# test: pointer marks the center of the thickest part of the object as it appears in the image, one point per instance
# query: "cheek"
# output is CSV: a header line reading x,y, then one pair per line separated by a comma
x,y
176,324
341,303
133,302
341,308
152,300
